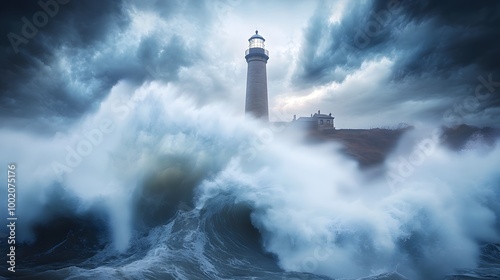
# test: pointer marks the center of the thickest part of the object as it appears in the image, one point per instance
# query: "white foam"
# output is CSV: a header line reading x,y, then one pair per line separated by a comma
x,y
315,210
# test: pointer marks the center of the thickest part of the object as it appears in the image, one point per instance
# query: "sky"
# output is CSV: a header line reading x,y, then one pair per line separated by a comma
x,y
369,63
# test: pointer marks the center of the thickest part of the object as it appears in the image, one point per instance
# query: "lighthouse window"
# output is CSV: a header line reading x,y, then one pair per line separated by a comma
x,y
256,43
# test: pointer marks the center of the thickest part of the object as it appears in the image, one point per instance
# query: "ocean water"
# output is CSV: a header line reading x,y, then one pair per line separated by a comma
x,y
152,186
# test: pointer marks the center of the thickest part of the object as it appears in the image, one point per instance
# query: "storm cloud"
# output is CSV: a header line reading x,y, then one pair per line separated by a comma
x,y
61,59
424,36
371,63
440,51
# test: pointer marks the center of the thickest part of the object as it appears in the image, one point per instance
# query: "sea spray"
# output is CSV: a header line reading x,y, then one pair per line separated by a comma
x,y
171,179
318,213
159,137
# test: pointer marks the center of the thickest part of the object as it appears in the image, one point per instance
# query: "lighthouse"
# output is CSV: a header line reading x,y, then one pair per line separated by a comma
x,y
256,96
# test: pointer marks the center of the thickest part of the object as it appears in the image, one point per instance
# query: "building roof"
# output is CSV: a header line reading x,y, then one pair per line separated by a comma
x,y
314,118
322,116
305,119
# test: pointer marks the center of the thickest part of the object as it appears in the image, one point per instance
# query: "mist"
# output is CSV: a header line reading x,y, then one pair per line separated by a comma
x,y
319,213
149,151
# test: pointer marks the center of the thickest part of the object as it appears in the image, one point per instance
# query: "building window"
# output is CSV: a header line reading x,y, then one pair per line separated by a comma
x,y
321,122
327,121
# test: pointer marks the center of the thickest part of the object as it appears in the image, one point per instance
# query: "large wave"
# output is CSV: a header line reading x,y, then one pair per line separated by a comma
x,y
153,186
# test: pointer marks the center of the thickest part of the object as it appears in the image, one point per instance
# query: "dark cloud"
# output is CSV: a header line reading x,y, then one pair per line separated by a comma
x,y
33,86
459,34
64,70
330,49
164,61
446,43
54,74
422,36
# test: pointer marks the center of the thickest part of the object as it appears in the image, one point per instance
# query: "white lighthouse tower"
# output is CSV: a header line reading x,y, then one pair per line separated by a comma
x,y
256,97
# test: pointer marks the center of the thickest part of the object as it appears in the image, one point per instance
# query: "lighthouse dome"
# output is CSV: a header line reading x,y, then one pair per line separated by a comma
x,y
256,41
257,36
